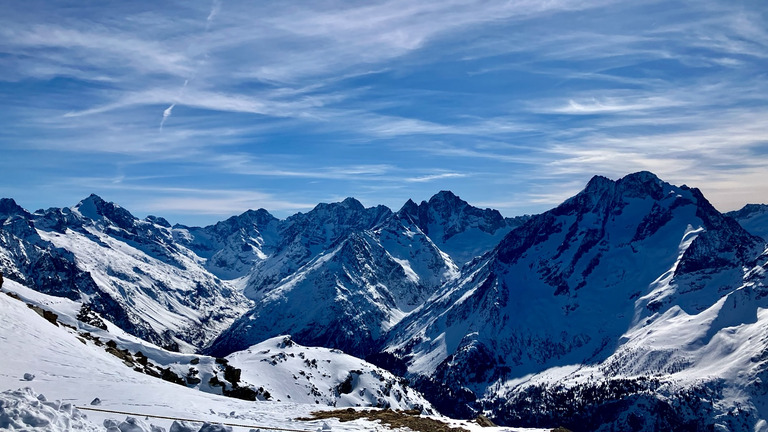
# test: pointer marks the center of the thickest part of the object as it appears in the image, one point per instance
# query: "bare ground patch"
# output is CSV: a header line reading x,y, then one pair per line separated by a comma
x,y
394,419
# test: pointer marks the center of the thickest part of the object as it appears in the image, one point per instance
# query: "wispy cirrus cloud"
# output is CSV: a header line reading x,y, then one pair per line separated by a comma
x,y
390,97
434,177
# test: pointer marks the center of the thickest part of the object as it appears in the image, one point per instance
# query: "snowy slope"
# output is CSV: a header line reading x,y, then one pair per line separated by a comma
x,y
679,371
311,375
156,282
424,263
564,288
65,365
754,218
347,298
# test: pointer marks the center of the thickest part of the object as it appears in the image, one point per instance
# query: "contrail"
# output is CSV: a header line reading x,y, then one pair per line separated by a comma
x,y
168,111
215,9
166,114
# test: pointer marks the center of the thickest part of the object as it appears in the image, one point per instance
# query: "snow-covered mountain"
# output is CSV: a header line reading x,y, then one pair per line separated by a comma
x,y
65,358
343,275
305,236
589,283
232,247
754,218
129,270
634,305
457,228
347,298
182,286
422,260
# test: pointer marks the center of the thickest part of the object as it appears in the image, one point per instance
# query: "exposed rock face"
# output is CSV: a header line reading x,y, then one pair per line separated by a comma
x,y
457,228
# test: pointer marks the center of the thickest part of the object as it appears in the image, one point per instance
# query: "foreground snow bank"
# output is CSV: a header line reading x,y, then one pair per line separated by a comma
x,y
23,409
27,411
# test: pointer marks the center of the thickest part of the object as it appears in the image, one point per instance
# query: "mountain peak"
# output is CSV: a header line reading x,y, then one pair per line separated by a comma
x,y
158,221
598,182
259,217
409,208
744,212
348,203
352,204
446,196
641,176
639,184
95,208
642,183
91,207
754,218
8,208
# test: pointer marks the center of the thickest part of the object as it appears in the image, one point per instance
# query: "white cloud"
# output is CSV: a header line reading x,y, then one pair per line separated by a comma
x,y
613,105
568,89
166,113
433,177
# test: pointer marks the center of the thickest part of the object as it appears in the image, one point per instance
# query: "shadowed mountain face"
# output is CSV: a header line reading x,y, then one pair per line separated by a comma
x,y
634,304
754,218
565,287
457,228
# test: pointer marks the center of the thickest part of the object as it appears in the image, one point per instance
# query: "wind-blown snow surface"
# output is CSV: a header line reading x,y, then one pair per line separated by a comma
x,y
72,368
23,409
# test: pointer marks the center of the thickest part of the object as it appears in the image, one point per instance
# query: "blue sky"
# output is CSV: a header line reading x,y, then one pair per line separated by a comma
x,y
199,110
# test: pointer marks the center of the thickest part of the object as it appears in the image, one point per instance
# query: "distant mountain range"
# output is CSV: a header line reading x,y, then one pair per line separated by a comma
x,y
634,305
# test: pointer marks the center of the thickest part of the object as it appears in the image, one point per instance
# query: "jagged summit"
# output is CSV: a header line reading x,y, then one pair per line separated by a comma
x,y
642,176
349,204
353,204
410,207
96,208
601,191
456,227
638,181
447,197
8,208
260,217
748,210
157,220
